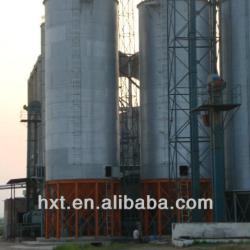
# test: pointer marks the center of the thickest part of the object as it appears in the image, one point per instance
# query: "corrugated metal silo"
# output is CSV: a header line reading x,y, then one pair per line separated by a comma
x,y
236,65
154,111
81,88
154,62
81,95
165,106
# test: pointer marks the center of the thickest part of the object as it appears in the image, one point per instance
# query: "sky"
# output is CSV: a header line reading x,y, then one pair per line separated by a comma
x,y
20,22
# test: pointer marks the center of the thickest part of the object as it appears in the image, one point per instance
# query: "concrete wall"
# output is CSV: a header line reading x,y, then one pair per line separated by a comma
x,y
13,210
210,231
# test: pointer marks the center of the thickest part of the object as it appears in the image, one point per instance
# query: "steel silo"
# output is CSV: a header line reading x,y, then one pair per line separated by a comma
x,y
154,147
153,21
81,88
235,30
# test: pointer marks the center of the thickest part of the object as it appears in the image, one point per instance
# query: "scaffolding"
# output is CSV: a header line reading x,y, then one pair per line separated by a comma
x,y
128,85
129,108
158,222
191,53
71,222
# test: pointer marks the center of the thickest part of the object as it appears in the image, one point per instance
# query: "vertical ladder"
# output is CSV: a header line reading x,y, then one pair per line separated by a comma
x,y
162,72
184,193
76,83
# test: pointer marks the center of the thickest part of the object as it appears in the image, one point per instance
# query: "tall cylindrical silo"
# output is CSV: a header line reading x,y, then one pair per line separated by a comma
x,y
154,61
236,64
165,106
81,88
81,95
154,111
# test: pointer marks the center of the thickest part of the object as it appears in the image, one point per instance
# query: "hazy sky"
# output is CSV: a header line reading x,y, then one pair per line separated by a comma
x,y
19,48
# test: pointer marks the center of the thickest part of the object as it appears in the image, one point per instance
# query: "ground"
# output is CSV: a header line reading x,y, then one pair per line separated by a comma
x,y
164,247
34,246
15,246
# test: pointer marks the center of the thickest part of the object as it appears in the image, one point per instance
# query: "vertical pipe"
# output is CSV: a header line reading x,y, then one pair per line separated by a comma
x,y
193,104
76,212
96,211
58,211
112,211
35,162
217,133
146,212
159,210
219,43
29,161
217,149
235,206
46,215
213,34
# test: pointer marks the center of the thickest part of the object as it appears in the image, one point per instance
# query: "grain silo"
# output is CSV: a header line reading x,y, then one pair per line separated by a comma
x,y
158,20
81,60
236,63
235,31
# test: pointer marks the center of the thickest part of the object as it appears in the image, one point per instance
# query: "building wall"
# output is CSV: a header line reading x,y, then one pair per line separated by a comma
x,y
13,216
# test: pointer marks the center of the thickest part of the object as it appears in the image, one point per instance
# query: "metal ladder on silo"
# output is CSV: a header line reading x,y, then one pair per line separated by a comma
x,y
162,71
76,83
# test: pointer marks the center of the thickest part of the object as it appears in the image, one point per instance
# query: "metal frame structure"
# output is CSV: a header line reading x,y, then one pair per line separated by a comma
x,y
158,222
129,111
128,86
35,173
238,206
85,222
216,107
186,40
